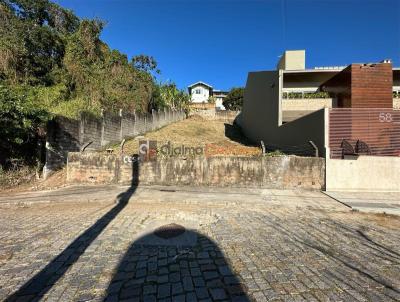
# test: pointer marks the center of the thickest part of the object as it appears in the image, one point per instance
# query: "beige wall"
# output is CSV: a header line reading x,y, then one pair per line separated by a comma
x,y
293,60
261,117
396,104
365,173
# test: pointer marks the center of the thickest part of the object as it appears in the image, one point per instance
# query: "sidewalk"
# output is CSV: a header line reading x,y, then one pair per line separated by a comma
x,y
371,202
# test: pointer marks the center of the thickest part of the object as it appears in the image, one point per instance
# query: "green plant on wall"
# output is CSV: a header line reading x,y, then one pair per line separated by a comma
x,y
305,95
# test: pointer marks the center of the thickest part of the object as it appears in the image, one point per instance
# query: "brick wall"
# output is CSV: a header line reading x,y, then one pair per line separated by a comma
x,y
371,85
266,172
70,135
362,86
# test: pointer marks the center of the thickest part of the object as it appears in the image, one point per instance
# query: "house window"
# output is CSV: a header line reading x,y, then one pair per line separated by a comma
x,y
197,91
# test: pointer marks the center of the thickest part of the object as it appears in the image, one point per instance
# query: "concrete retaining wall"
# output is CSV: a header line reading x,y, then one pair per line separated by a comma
x,y
363,173
265,172
68,135
214,115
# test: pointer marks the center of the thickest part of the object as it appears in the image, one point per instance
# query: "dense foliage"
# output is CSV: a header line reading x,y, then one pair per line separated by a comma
x,y
52,62
306,95
21,126
234,99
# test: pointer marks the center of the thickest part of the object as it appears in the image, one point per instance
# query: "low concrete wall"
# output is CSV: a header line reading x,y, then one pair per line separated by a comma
x,y
214,115
306,104
363,173
265,172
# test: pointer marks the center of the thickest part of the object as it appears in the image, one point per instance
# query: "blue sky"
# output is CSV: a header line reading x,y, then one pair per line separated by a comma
x,y
220,41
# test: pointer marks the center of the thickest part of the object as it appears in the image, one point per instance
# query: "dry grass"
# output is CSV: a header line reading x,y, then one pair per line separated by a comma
x,y
218,138
30,183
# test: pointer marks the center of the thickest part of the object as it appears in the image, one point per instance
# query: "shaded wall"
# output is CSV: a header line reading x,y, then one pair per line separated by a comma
x,y
261,117
265,172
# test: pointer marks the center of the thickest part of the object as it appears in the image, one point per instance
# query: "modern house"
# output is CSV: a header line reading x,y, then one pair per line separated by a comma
x,y
202,93
300,89
336,112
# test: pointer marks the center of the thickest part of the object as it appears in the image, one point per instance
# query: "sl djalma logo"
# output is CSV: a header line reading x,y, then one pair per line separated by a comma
x,y
148,151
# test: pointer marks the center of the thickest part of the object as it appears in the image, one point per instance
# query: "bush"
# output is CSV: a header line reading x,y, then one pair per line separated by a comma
x,y
21,127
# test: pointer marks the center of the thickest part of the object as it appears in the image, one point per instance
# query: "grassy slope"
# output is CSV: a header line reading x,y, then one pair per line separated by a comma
x,y
198,132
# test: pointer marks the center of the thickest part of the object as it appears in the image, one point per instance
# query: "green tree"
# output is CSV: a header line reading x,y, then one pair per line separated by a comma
x,y
167,95
21,126
145,63
234,99
52,62
31,43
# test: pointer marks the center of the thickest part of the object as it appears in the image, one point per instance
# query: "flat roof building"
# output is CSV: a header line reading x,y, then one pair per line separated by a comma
x,y
282,107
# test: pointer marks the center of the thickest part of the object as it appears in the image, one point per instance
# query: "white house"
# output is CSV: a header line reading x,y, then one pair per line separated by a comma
x,y
201,92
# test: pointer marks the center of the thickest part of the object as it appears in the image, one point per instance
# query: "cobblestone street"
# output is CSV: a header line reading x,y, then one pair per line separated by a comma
x,y
77,244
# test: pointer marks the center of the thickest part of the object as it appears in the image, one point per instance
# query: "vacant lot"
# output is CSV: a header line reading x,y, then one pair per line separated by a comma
x,y
217,137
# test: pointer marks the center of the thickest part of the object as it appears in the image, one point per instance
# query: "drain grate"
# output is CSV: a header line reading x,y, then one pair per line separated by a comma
x,y
169,231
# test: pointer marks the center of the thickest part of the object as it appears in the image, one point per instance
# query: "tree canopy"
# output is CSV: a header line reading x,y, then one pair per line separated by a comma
x,y
234,99
53,62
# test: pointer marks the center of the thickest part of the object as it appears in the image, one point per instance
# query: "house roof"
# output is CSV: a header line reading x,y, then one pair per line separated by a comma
x,y
200,83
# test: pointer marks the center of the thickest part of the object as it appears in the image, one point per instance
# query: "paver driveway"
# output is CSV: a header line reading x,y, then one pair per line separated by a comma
x,y
240,245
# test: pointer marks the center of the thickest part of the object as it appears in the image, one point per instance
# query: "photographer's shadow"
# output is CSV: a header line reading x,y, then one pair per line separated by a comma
x,y
175,264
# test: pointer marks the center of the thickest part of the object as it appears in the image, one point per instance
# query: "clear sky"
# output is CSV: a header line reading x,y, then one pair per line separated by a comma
x,y
220,41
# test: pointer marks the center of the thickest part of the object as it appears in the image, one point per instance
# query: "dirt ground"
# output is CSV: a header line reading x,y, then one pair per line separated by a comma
x,y
217,137
57,180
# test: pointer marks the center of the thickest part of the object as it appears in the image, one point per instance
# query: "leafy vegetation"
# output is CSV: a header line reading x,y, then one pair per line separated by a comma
x,y
306,95
21,127
52,62
234,99
167,95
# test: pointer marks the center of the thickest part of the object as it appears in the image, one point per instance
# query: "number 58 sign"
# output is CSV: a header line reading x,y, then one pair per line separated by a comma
x,y
385,117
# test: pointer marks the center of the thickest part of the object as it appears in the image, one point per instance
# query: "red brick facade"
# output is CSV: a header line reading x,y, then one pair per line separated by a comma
x,y
363,86
371,85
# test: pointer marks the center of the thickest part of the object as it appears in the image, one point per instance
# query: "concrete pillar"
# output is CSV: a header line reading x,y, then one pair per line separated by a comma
x,y
121,135
134,123
102,128
82,128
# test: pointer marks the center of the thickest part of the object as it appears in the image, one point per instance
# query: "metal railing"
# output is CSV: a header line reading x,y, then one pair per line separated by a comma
x,y
357,131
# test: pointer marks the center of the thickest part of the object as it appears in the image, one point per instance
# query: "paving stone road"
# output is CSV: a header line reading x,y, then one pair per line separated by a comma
x,y
240,245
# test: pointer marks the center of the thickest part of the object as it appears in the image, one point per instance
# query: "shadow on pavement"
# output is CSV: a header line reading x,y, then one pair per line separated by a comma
x,y
43,281
188,267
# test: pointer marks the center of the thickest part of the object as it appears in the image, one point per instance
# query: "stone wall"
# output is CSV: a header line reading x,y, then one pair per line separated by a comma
x,y
262,172
68,135
227,116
